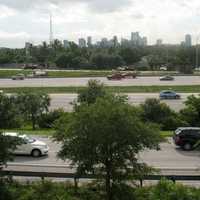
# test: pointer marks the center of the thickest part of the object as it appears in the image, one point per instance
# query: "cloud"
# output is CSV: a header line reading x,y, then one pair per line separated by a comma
x,y
100,6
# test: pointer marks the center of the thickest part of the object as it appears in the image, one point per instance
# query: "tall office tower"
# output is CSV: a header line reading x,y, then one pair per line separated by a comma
x,y
82,42
135,38
66,44
144,41
188,40
28,46
159,42
115,41
89,41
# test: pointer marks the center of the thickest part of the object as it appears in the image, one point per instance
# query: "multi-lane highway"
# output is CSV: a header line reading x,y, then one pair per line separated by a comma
x,y
64,100
67,82
169,157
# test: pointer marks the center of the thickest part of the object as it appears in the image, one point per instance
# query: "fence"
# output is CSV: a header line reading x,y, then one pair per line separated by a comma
x,y
73,176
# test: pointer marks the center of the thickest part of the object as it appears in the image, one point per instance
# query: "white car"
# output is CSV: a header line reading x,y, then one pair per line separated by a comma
x,y
30,146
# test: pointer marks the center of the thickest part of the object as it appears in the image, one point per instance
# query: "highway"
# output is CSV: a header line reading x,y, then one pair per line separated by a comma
x,y
64,100
169,158
67,82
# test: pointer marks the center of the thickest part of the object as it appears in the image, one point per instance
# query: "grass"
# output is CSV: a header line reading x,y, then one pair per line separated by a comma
x,y
166,134
116,89
39,132
50,132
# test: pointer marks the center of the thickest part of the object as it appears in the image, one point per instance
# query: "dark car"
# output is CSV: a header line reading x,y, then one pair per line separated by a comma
x,y
167,78
168,94
188,138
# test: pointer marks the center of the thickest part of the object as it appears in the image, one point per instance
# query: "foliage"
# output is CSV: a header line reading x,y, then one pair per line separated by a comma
x,y
7,146
93,90
105,137
10,116
160,113
33,105
191,113
47,120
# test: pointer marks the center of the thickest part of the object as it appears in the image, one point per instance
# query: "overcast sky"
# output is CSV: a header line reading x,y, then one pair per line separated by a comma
x,y
28,20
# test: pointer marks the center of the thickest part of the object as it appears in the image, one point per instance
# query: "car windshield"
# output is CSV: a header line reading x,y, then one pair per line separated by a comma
x,y
29,139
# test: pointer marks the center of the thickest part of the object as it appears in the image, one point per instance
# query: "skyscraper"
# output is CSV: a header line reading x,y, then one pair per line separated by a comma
x,y
188,40
82,42
89,41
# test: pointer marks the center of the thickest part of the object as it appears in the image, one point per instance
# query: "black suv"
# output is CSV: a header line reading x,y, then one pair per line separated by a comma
x,y
188,138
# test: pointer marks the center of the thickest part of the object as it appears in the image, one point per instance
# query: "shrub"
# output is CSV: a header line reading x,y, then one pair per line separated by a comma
x,y
47,120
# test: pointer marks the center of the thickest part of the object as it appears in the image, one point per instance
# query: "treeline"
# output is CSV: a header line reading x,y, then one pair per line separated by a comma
x,y
146,58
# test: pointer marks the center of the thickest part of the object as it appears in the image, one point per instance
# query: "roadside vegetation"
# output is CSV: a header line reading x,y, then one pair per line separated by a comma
x,y
165,190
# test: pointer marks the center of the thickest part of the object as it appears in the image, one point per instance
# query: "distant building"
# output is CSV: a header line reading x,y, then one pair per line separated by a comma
x,y
135,38
115,41
144,41
89,41
28,46
82,42
188,40
66,44
125,42
159,42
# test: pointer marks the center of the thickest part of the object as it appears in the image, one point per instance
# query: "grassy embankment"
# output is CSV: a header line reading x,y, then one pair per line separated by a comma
x,y
50,132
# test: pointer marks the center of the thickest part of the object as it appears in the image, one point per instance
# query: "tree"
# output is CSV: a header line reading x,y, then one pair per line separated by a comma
x,y
10,116
156,112
7,146
33,105
192,111
94,90
104,138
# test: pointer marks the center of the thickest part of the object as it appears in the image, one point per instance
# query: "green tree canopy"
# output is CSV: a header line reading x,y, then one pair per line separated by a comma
x,y
104,138
33,105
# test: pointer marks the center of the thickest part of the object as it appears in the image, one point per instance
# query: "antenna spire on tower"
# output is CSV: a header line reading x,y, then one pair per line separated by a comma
x,y
51,30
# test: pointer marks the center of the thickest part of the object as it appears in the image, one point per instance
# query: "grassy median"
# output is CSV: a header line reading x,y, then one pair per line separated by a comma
x,y
116,89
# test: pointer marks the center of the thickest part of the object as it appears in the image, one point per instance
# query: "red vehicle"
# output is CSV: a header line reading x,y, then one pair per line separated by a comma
x,y
119,75
115,76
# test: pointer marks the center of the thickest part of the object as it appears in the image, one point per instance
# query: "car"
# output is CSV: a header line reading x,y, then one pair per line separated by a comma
x,y
167,78
168,94
188,138
115,76
29,146
18,77
129,75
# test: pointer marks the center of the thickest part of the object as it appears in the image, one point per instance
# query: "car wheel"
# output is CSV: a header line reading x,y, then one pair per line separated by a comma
x,y
36,153
187,147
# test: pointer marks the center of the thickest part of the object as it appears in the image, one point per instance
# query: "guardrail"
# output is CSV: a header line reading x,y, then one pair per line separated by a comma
x,y
73,176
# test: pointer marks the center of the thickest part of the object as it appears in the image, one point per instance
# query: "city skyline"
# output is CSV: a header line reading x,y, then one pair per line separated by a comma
x,y
25,20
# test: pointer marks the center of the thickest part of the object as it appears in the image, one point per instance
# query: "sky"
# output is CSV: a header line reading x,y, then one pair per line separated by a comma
x,y
28,20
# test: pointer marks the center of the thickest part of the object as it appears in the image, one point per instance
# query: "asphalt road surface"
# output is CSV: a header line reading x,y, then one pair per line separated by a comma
x,y
64,100
61,82
168,158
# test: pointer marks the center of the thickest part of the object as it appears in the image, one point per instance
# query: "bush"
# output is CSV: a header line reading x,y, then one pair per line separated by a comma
x,y
47,120
156,112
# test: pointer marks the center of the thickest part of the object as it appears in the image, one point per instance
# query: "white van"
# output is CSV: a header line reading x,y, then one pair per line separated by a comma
x,y
30,146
